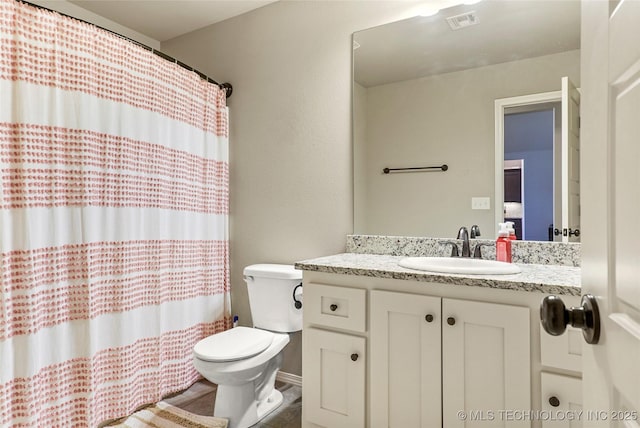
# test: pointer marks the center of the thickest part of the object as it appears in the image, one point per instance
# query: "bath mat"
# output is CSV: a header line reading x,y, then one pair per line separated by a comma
x,y
163,415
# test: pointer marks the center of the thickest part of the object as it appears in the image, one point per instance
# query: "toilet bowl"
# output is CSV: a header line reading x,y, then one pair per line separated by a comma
x,y
246,390
244,361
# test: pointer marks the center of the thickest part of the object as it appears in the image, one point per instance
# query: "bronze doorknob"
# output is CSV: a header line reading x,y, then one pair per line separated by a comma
x,y
555,317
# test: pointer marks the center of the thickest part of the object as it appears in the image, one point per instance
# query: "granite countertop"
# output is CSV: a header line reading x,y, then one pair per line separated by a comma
x,y
548,279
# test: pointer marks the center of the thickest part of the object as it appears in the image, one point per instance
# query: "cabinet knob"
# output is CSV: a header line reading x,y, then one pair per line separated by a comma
x,y
333,307
429,318
354,357
554,401
451,320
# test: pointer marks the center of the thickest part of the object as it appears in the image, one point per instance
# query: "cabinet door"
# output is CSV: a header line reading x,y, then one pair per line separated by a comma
x,y
564,351
405,360
562,396
334,379
486,365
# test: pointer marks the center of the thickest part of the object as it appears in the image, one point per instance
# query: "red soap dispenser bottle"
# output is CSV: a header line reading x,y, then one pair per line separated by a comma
x,y
503,244
512,230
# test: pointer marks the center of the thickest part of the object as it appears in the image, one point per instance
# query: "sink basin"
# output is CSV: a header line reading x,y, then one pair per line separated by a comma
x,y
460,265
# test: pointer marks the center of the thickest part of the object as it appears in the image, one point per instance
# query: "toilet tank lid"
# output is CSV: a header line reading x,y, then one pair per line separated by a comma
x,y
273,271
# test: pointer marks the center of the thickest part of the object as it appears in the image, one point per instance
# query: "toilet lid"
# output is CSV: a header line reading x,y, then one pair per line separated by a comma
x,y
234,344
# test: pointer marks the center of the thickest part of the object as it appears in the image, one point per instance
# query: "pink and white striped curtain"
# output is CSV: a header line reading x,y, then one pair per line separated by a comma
x,y
113,224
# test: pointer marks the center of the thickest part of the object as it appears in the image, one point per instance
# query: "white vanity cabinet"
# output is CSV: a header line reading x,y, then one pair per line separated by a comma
x,y
561,382
334,354
337,372
486,362
433,357
406,360
562,401
425,352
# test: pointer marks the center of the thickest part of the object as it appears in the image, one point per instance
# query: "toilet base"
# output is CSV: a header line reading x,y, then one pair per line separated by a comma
x,y
231,404
270,404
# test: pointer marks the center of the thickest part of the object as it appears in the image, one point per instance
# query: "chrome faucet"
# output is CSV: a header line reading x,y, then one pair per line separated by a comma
x,y
463,234
475,231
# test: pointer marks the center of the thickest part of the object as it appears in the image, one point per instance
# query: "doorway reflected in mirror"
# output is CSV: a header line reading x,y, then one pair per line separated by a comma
x,y
529,139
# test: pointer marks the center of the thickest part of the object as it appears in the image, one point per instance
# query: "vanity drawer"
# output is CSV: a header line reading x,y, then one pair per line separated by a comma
x,y
561,394
334,306
564,351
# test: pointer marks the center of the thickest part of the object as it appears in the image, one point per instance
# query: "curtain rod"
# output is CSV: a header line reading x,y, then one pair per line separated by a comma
x,y
226,87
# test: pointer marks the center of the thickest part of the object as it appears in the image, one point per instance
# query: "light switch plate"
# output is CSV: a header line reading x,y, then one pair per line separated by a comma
x,y
481,203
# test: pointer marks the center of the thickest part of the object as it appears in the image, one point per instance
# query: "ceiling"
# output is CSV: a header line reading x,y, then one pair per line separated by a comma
x,y
165,19
425,46
408,49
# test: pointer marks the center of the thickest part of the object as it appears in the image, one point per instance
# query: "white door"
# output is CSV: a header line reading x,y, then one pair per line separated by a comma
x,y
570,159
611,199
337,373
406,382
486,366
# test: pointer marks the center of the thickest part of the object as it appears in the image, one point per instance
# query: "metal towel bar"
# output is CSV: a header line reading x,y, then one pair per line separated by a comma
x,y
416,169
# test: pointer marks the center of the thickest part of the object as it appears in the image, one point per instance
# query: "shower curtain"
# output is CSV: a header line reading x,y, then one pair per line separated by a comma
x,y
113,224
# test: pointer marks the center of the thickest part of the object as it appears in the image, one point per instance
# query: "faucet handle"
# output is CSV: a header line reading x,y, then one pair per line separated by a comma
x,y
475,231
454,247
477,250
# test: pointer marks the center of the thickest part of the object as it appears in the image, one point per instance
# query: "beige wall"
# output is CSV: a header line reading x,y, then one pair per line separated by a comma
x,y
445,119
70,9
290,129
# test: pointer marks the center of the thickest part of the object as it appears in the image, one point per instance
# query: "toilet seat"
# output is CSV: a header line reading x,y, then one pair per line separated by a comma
x,y
234,344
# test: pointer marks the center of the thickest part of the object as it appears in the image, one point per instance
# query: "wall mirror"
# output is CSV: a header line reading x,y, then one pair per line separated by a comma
x,y
469,88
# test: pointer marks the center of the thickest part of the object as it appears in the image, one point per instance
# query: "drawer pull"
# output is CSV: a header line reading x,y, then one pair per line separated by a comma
x,y
354,357
333,307
429,318
451,321
554,401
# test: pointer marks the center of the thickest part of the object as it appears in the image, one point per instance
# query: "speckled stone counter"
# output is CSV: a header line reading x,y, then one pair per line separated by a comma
x,y
548,279
542,253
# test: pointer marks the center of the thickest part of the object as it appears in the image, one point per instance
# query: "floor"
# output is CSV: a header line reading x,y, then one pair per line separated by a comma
x,y
200,398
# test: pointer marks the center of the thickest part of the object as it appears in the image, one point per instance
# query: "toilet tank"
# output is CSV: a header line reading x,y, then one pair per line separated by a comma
x,y
271,296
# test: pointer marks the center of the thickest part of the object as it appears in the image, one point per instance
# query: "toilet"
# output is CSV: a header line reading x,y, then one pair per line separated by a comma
x,y
244,361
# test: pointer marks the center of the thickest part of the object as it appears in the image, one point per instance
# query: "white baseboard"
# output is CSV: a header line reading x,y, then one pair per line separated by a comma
x,y
289,378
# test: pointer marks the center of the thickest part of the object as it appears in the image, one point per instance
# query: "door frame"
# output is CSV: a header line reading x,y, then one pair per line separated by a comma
x,y
500,107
